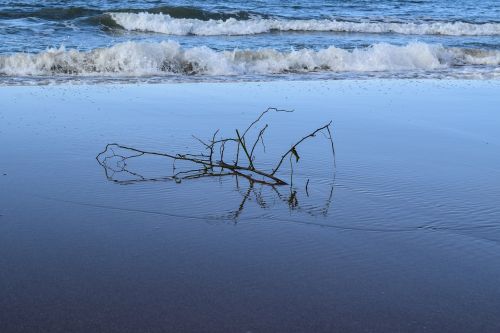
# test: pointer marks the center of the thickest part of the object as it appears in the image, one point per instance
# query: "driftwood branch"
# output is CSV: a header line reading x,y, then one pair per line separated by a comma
x,y
293,148
213,162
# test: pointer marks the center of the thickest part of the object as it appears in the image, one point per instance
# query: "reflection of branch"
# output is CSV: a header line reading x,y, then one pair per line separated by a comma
x,y
236,214
253,189
216,161
213,161
291,199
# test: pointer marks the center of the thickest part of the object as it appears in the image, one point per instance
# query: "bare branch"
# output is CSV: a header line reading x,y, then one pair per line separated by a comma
x,y
294,146
262,115
211,162
259,137
243,145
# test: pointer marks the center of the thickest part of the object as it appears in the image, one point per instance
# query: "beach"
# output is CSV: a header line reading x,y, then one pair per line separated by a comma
x,y
400,233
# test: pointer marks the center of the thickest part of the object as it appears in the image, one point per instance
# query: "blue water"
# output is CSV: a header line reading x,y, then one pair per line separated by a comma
x,y
233,40
403,237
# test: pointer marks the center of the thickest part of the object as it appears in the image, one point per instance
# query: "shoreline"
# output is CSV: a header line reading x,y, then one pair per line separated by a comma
x,y
99,81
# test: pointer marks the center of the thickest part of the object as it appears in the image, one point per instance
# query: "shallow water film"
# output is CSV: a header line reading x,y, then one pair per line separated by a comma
x,y
401,234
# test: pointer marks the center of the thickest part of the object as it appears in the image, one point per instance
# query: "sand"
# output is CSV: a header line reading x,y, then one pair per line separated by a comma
x,y
402,235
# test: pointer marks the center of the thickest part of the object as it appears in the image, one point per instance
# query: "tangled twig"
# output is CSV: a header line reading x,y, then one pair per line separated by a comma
x,y
213,162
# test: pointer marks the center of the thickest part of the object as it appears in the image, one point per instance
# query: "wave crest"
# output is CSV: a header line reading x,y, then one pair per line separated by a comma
x,y
142,59
161,23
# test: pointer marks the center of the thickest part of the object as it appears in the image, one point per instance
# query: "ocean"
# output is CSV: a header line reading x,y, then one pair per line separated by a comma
x,y
249,166
158,41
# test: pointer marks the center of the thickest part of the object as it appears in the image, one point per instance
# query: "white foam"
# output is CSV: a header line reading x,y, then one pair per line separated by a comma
x,y
142,59
179,26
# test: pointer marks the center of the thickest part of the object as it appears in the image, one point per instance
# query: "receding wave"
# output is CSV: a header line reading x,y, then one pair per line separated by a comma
x,y
143,59
164,23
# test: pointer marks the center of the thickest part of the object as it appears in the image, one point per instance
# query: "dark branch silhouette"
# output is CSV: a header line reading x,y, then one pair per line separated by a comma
x,y
213,162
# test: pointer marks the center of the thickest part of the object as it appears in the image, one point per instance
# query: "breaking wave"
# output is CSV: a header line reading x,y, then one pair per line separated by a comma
x,y
143,59
167,24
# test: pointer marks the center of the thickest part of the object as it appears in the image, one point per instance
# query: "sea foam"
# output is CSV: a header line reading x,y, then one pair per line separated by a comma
x,y
162,23
168,57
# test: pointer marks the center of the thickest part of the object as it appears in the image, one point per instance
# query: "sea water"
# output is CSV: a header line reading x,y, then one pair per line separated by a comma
x,y
180,40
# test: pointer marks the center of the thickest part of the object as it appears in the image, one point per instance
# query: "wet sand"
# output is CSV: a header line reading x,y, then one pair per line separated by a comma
x,y
402,235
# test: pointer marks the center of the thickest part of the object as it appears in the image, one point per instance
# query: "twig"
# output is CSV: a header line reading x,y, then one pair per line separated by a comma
x,y
212,161
294,146
259,137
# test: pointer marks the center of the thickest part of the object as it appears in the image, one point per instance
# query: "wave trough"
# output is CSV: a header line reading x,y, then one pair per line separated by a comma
x,y
166,24
143,59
